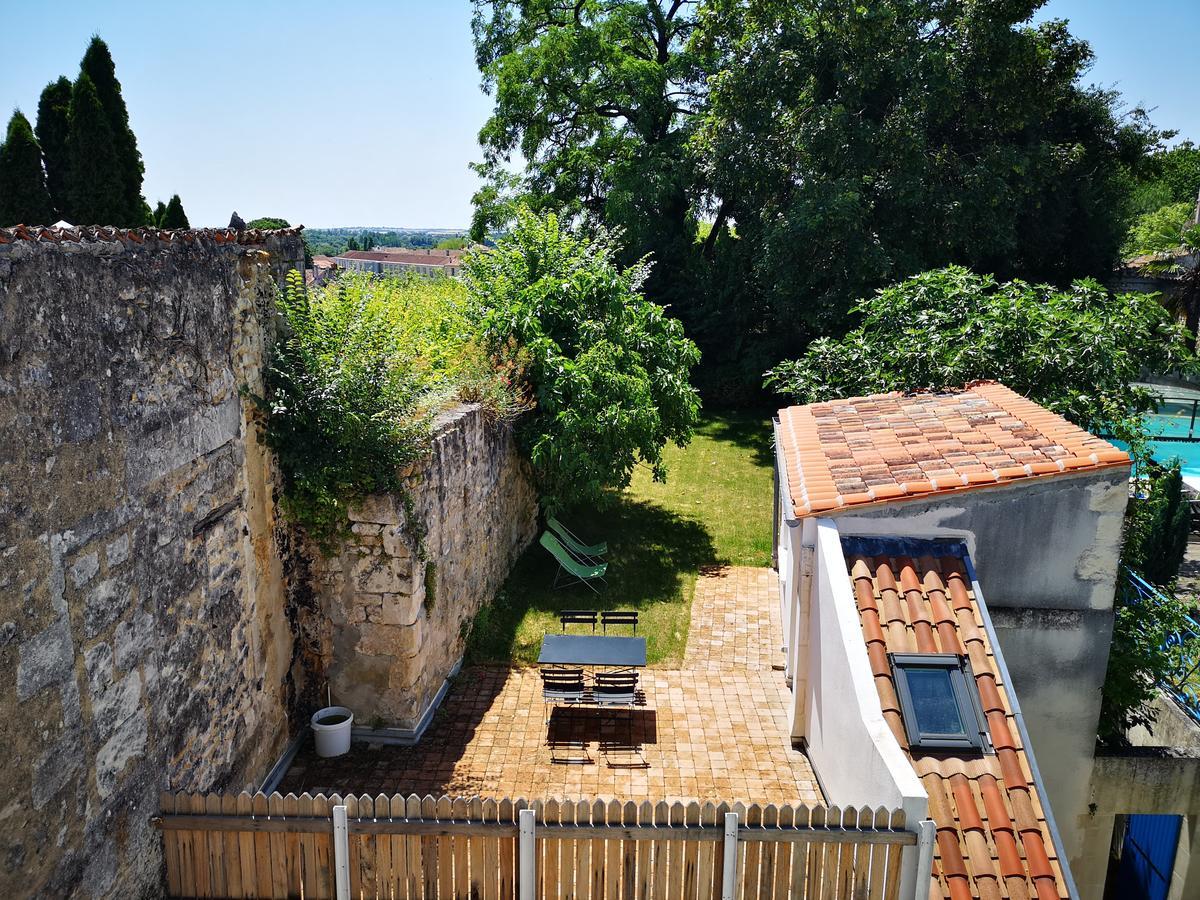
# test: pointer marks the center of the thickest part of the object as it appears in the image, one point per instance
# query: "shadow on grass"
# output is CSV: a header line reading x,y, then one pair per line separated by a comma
x,y
653,555
748,429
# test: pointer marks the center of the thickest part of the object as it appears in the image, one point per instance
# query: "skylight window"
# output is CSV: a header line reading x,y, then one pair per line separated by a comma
x,y
938,702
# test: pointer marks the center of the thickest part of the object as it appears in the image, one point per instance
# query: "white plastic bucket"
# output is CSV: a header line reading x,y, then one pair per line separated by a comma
x,y
331,727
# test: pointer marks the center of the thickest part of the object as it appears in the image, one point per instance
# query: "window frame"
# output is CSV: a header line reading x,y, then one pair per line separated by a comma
x,y
966,698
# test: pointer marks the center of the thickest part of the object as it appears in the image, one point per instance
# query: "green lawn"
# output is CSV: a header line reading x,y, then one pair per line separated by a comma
x,y
715,509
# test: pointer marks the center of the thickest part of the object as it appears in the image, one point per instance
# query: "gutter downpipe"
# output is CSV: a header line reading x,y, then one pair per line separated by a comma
x,y
800,578
1019,718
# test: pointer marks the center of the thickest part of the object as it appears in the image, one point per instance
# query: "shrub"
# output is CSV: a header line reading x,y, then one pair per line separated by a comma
x,y
1077,351
608,369
355,384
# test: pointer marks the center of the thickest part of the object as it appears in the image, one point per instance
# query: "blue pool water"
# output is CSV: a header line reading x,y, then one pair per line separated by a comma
x,y
1175,419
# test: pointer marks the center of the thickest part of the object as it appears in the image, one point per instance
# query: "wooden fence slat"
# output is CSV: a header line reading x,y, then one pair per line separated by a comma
x,y
612,854
599,853
783,856
645,848
445,850
490,813
705,855
243,807
658,862
397,883
415,869
187,851
166,805
210,880
507,885
280,870
629,816
381,853
263,879
429,850
766,866
231,849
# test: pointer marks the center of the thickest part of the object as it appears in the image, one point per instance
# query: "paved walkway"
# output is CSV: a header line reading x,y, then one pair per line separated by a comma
x,y
714,730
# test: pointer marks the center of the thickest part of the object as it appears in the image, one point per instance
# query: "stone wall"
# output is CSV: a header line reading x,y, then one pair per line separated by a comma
x,y
398,609
144,640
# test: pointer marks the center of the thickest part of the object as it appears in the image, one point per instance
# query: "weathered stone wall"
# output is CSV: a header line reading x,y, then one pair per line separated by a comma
x,y
398,609
144,641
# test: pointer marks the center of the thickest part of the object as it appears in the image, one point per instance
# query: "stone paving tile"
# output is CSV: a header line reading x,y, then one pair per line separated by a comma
x,y
716,730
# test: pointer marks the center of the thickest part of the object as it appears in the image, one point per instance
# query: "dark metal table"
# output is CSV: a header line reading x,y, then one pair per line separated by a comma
x,y
593,650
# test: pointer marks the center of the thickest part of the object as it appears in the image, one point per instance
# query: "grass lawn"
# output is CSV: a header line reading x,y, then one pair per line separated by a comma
x,y
715,509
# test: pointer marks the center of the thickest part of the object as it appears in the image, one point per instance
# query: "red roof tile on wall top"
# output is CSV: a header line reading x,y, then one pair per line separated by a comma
x,y
92,234
992,838
868,450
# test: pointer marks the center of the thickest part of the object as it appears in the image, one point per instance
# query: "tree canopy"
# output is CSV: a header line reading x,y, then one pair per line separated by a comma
x,y
173,215
94,181
98,65
23,195
53,126
1077,351
608,369
852,145
268,223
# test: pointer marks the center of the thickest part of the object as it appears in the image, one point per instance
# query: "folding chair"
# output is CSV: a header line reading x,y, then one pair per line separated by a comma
x,y
619,617
570,570
563,686
590,551
619,690
577,617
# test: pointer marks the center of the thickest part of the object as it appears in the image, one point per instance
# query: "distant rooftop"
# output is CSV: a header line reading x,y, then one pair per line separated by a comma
x,y
895,446
410,257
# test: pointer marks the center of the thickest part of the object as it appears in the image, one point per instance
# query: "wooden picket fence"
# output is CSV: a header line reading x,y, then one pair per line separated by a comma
x,y
426,848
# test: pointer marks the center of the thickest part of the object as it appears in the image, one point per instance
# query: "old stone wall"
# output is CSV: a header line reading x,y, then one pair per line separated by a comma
x,y
398,607
144,640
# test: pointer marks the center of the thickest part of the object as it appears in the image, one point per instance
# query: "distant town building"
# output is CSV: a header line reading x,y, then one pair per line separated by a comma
x,y
385,261
320,271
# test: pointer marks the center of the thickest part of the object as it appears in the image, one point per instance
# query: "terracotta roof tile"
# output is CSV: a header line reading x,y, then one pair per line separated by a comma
x,y
865,450
93,234
992,837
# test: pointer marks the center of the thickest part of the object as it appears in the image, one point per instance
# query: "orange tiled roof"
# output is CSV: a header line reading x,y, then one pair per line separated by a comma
x,y
992,838
896,446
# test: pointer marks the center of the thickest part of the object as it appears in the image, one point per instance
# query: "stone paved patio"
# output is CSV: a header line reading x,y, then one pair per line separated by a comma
x,y
716,729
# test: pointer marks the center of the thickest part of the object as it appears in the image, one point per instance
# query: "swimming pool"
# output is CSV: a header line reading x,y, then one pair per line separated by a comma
x,y
1174,422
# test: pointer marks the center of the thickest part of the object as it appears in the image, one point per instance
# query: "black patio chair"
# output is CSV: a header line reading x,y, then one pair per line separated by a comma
x,y
577,617
617,690
563,686
619,617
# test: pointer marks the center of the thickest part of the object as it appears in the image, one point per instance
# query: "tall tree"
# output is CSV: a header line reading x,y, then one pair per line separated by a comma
x,y
95,186
98,65
852,144
160,212
599,98
23,195
173,215
53,124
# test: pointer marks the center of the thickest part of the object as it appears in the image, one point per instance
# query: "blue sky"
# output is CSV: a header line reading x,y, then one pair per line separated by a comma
x,y
367,113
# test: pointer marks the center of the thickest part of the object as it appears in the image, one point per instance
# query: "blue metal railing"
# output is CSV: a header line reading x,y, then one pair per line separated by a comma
x,y
1184,682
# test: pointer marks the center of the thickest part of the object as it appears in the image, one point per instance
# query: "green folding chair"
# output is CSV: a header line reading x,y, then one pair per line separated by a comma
x,y
578,547
571,570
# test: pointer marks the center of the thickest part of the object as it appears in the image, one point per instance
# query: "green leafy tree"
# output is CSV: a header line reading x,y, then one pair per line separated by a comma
x,y
268,223
1077,351
98,65
95,187
855,145
1156,533
23,195
1168,176
1178,264
852,144
608,369
160,211
173,216
599,98
356,381
53,126
1158,231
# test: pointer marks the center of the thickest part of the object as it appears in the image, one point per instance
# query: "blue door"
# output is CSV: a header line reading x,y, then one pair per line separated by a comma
x,y
1147,857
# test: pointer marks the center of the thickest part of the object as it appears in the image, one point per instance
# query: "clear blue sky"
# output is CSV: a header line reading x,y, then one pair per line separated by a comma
x,y
366,113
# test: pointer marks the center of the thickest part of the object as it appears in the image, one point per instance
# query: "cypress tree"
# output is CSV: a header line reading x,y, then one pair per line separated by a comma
x,y
23,195
174,216
95,188
98,65
160,211
52,126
